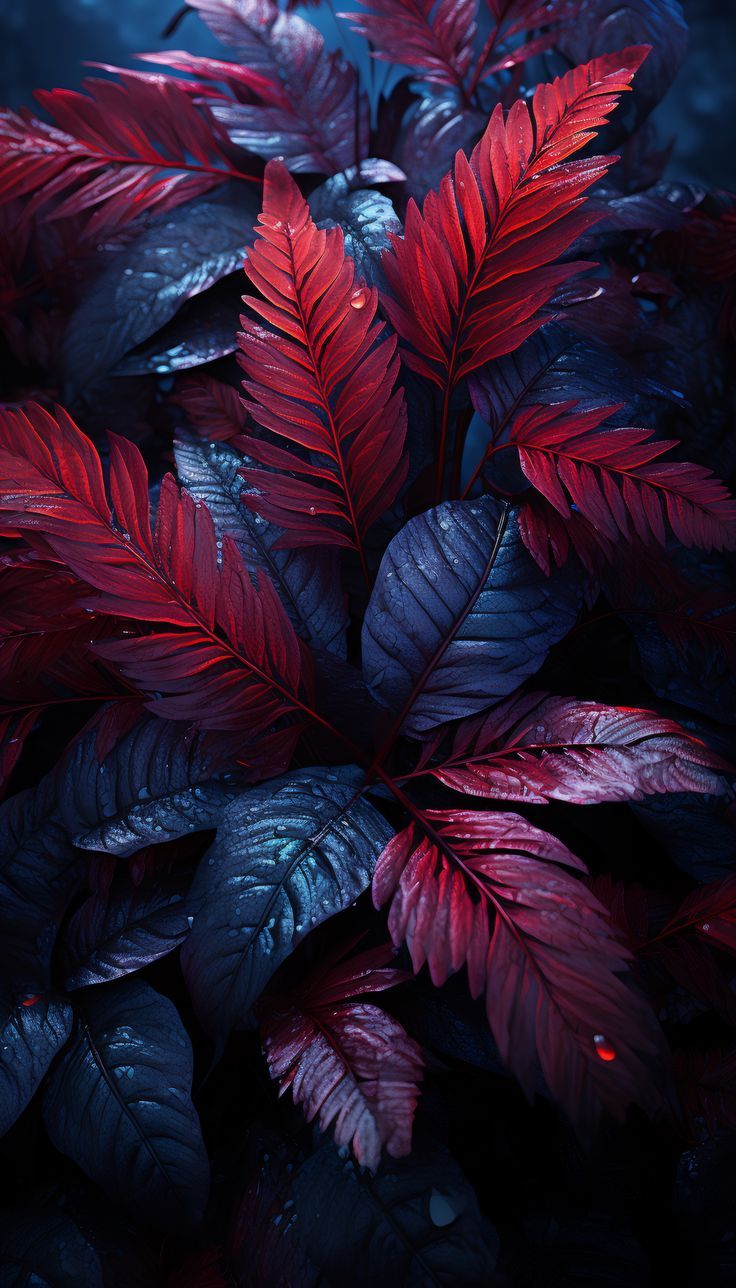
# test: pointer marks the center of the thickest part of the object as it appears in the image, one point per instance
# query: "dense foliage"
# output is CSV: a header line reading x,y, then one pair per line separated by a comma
x,y
319,634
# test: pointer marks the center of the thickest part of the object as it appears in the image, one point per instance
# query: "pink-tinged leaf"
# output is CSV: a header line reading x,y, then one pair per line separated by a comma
x,y
215,410
302,101
536,748
346,1061
321,375
229,658
118,150
485,891
435,38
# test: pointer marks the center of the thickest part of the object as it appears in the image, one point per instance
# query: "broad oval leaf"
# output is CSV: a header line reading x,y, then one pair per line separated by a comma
x,y
460,614
603,25
39,873
557,365
200,332
286,857
367,219
416,1223
119,932
30,1036
159,782
307,580
178,256
40,1248
119,1105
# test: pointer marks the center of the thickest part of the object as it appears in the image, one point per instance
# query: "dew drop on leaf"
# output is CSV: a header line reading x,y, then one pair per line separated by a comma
x,y
605,1050
440,1210
359,298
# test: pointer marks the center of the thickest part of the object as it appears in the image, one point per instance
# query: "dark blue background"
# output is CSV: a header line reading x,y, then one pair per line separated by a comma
x,y
43,41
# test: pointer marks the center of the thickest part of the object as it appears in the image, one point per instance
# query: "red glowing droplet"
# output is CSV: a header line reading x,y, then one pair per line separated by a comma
x,y
359,298
31,1001
605,1050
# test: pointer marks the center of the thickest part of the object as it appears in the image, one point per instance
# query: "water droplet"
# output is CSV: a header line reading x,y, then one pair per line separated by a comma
x,y
359,298
190,922
441,1211
312,509
605,1050
705,927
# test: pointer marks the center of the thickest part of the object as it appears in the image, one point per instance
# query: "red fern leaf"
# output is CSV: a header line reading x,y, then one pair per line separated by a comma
x,y
346,1060
120,149
214,410
537,748
484,890
436,38
323,379
232,660
474,268
614,479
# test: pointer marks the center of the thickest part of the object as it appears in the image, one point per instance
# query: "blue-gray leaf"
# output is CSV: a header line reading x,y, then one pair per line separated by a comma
x,y
30,1037
120,932
140,287
119,1105
286,857
157,783
460,614
307,581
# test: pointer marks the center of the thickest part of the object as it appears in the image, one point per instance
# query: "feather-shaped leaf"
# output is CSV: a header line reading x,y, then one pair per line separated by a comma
x,y
323,380
30,1036
537,748
119,932
484,890
231,661
310,112
119,1105
616,481
433,37
345,1060
215,410
119,149
474,268
307,581
287,857
459,615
